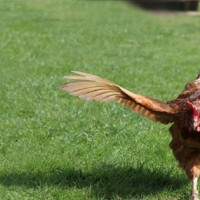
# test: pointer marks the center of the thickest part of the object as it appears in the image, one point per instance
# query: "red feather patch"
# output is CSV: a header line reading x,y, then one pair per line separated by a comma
x,y
195,112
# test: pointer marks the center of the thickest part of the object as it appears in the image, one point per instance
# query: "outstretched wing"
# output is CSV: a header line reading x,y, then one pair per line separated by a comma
x,y
92,87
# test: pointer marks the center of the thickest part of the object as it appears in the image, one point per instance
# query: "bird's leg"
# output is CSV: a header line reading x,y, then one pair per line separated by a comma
x,y
194,189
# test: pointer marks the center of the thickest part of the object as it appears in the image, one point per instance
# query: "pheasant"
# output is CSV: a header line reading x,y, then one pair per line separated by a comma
x,y
183,113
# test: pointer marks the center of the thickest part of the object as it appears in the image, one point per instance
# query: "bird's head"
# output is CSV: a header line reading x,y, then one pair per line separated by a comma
x,y
193,120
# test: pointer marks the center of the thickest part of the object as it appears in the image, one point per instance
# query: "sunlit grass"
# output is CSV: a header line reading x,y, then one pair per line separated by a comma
x,y
54,146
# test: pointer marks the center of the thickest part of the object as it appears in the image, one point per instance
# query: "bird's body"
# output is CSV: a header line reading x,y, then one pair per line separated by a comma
x,y
183,113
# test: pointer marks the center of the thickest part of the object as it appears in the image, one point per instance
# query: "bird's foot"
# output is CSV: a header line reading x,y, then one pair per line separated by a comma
x,y
194,196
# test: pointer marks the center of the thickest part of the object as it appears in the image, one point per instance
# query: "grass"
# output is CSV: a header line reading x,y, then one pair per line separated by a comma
x,y
54,146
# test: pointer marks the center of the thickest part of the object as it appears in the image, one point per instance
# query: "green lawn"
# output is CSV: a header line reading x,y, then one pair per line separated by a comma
x,y
55,146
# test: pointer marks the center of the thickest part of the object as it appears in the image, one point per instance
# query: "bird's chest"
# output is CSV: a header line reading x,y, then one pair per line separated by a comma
x,y
184,138
185,147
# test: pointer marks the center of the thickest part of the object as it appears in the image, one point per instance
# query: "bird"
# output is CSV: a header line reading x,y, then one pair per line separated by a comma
x,y
183,113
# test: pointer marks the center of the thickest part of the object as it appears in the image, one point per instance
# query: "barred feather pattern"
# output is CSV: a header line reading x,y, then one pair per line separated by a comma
x,y
91,87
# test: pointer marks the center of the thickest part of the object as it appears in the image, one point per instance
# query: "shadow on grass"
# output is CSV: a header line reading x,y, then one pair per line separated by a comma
x,y
105,181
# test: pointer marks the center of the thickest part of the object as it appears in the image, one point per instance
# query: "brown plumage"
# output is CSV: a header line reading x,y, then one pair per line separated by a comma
x,y
183,113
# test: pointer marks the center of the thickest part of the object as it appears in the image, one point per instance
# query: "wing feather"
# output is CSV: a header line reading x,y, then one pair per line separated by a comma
x,y
92,87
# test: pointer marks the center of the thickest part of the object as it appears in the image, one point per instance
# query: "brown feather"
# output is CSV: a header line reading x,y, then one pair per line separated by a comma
x,y
92,87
